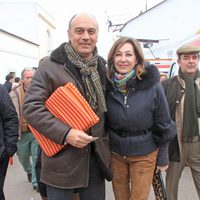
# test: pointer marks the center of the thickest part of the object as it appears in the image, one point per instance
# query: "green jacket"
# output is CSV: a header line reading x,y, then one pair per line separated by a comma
x,y
174,92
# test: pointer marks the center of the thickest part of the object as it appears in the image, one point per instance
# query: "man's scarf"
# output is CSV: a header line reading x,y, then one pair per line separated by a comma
x,y
191,108
90,78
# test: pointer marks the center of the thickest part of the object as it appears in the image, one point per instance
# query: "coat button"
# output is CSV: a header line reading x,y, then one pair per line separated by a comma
x,y
86,151
177,101
182,91
124,157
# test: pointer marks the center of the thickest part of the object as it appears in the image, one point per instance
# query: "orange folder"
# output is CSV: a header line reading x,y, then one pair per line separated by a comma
x,y
68,105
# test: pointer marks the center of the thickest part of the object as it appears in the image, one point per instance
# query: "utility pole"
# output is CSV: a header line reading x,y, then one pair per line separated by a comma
x,y
145,5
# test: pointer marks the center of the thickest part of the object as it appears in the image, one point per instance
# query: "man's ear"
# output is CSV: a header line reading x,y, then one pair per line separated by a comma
x,y
68,33
178,60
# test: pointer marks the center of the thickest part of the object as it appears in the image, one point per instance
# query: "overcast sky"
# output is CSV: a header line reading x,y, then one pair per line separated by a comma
x,y
116,11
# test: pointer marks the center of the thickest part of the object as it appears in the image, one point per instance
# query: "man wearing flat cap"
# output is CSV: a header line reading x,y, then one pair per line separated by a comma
x,y
183,95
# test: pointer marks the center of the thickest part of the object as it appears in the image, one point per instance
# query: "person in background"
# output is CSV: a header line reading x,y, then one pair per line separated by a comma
x,y
183,95
41,186
83,164
17,80
163,76
8,134
15,85
9,81
137,121
27,145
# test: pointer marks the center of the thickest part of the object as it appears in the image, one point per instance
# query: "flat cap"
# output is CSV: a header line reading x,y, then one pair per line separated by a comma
x,y
187,49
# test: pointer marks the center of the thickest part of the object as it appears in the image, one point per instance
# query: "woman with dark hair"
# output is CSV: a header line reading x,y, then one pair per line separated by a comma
x,y
138,121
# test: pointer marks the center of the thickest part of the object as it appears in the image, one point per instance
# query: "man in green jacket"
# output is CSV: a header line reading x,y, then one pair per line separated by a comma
x,y
183,95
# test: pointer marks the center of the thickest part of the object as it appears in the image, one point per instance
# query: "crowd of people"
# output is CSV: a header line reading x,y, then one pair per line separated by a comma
x,y
146,124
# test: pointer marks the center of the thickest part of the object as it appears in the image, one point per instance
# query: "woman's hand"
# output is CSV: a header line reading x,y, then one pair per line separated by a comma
x,y
161,168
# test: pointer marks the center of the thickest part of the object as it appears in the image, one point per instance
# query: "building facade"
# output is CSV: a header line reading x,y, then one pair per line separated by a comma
x,y
26,32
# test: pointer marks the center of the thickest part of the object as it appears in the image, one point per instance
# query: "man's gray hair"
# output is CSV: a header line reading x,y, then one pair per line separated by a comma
x,y
26,69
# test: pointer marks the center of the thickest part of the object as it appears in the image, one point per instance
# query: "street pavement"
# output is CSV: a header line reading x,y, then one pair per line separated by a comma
x,y
17,186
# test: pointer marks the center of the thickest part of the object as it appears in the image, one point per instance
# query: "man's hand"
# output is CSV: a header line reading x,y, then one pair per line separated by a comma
x,y
78,138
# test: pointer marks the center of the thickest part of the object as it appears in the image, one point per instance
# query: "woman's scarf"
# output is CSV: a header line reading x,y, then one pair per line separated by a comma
x,y
120,80
191,107
90,78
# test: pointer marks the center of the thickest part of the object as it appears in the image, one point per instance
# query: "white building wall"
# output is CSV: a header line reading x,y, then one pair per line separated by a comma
x,y
46,34
20,19
23,36
15,54
171,22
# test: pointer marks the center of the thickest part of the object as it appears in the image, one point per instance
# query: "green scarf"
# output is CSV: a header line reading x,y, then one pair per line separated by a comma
x,y
120,80
191,108
90,78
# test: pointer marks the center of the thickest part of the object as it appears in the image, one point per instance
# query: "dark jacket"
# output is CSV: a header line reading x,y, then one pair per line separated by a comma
x,y
70,167
8,124
174,93
144,113
8,86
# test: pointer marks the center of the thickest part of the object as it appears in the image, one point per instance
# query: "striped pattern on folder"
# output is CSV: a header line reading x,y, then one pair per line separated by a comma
x,y
68,105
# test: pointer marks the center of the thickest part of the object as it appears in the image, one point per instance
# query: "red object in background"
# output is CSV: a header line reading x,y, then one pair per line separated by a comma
x,y
11,161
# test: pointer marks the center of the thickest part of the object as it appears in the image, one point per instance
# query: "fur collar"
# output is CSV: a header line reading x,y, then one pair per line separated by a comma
x,y
149,78
58,55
